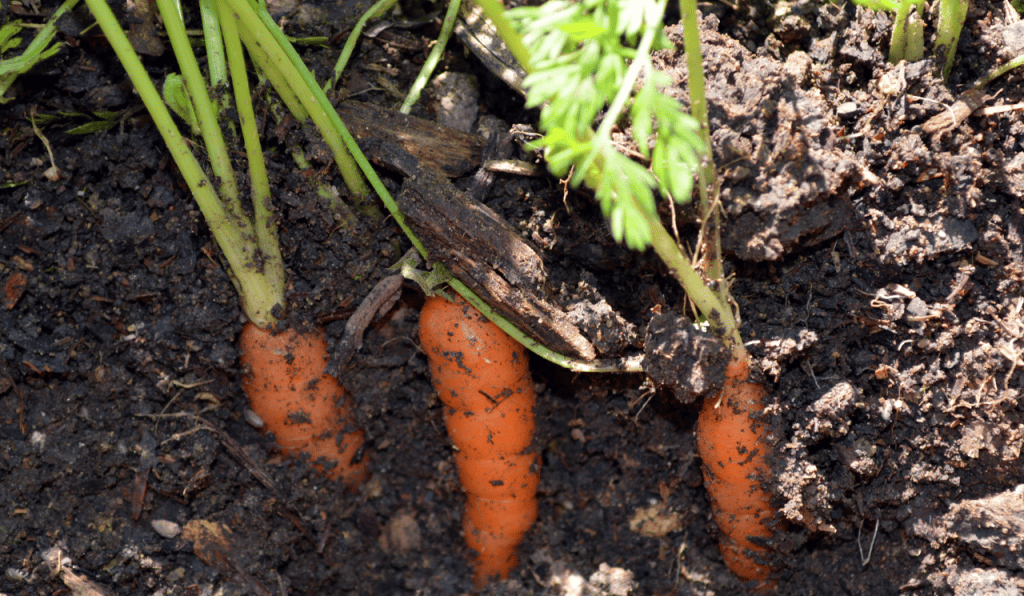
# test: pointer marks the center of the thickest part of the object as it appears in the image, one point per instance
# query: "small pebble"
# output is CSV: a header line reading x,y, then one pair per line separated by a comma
x,y
16,575
38,440
253,419
176,575
848,110
165,528
1013,38
456,100
402,533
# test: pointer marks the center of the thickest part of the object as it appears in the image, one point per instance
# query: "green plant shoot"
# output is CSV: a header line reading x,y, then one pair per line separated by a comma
x,y
176,96
592,56
580,66
38,49
907,42
952,15
249,242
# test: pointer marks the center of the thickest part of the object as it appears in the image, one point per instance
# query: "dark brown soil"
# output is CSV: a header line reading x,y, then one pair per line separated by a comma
x,y
878,269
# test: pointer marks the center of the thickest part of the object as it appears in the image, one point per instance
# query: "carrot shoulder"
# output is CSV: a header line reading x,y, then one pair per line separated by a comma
x,y
732,444
482,376
306,410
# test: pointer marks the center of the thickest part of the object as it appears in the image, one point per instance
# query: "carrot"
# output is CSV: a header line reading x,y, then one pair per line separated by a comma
x,y
304,408
482,376
733,446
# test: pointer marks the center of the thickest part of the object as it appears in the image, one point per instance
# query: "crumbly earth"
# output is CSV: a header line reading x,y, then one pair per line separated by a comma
x,y
878,269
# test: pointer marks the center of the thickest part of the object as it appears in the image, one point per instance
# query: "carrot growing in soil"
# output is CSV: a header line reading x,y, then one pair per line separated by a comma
x,y
731,442
285,382
306,409
614,80
482,377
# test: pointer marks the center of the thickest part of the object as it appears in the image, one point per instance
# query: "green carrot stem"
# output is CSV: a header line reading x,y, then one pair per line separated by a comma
x,y
621,365
707,179
952,14
262,204
335,126
1000,71
435,56
898,41
698,100
281,52
209,123
915,37
374,11
718,313
216,63
272,72
259,298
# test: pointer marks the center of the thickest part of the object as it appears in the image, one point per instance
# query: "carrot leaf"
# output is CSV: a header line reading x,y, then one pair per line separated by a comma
x,y
591,74
582,67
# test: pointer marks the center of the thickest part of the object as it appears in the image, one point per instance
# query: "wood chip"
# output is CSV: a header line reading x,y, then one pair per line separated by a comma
x,y
954,115
445,149
14,287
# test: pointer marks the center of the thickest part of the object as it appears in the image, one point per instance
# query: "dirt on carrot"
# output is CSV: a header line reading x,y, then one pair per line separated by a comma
x,y
482,376
307,411
731,442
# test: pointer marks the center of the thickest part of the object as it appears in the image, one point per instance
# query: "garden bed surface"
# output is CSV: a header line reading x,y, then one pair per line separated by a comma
x,y
878,270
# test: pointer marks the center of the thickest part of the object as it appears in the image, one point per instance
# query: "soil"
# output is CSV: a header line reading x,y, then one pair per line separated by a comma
x,y
877,264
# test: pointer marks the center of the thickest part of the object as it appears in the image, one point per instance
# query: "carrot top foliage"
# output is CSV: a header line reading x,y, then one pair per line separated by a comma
x,y
585,57
590,65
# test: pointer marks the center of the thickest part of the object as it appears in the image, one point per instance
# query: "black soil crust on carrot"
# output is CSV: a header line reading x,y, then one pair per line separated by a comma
x,y
878,269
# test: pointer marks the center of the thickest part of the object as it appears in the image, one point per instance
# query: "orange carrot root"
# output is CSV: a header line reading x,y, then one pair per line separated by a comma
x,y
732,444
304,408
482,376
